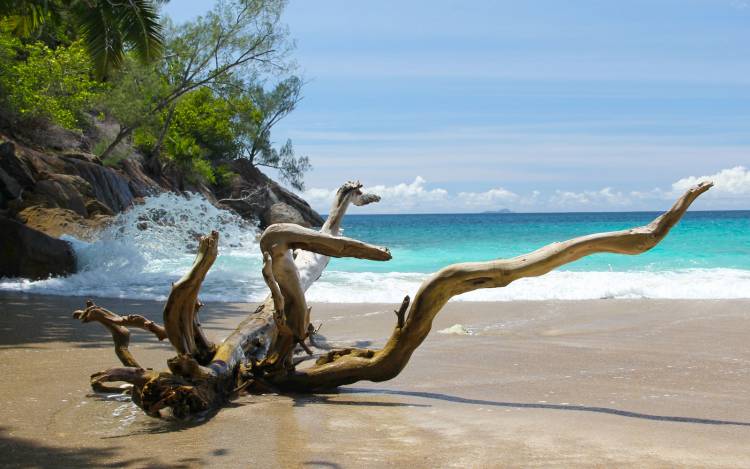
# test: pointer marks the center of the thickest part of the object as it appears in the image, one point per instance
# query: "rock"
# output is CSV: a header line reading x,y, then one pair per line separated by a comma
x,y
140,184
9,188
15,176
109,187
281,212
252,194
56,222
15,167
79,155
106,185
73,180
94,207
29,253
60,191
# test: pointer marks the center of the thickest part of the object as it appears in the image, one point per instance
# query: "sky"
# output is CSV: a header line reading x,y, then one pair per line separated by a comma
x,y
534,106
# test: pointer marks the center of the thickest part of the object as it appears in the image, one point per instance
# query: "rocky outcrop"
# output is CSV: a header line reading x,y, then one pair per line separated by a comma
x,y
59,221
141,185
252,194
15,175
66,193
101,183
29,253
64,190
72,181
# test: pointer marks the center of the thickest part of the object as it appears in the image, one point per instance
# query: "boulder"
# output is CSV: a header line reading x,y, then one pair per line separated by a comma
x,y
29,253
141,185
15,167
59,221
254,195
104,184
60,191
15,175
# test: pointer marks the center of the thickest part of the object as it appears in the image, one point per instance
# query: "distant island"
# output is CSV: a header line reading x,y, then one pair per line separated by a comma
x,y
501,210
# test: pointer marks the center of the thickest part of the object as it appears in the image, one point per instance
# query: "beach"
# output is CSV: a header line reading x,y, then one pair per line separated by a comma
x,y
590,383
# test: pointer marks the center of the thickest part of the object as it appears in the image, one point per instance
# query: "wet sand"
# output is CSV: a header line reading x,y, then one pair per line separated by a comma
x,y
605,383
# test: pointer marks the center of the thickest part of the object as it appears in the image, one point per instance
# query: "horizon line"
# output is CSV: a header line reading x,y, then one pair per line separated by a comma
x,y
536,213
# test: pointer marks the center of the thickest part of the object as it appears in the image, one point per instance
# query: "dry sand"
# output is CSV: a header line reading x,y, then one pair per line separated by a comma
x,y
607,383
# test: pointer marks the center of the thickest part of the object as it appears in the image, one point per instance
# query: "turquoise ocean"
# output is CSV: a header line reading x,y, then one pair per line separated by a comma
x,y
706,256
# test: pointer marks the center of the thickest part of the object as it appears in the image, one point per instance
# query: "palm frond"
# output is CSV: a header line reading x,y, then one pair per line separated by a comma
x,y
139,24
108,27
103,39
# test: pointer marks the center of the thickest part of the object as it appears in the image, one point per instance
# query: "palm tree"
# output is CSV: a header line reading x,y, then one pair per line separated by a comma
x,y
107,27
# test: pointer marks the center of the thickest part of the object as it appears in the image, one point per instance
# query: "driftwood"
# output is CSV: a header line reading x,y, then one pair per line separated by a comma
x,y
258,355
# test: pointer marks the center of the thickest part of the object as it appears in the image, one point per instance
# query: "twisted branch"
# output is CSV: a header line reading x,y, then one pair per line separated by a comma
x,y
117,325
385,364
181,310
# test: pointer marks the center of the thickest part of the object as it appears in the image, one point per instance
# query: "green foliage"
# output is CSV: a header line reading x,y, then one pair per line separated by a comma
x,y
208,119
132,94
37,82
107,28
120,153
199,106
23,17
255,130
224,175
188,155
203,169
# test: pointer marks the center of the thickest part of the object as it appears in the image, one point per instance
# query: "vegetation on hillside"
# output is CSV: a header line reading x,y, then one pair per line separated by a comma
x,y
191,97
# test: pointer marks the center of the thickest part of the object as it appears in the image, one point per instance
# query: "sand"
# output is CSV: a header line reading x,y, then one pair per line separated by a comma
x,y
606,383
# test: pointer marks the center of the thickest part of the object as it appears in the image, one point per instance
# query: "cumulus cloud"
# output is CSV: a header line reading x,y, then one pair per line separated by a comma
x,y
732,182
488,198
413,196
409,193
732,190
318,197
606,196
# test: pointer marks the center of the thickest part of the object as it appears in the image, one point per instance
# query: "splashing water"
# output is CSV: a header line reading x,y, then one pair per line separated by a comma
x,y
152,245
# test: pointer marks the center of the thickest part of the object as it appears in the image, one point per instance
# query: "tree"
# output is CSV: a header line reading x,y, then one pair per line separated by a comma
x,y
258,355
108,27
235,38
255,131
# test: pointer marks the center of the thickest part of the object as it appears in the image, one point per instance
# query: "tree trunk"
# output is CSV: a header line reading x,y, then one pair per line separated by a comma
x,y
257,355
121,134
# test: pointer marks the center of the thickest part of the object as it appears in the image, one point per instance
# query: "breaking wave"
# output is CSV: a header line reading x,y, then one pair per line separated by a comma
x,y
150,246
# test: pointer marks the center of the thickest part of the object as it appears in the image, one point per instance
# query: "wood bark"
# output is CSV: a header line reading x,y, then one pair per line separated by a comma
x,y
258,354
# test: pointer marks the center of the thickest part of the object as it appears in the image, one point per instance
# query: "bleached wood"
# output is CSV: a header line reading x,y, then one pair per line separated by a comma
x,y
257,354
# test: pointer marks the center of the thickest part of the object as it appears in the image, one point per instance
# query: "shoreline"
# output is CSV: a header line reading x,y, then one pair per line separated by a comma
x,y
371,287
585,383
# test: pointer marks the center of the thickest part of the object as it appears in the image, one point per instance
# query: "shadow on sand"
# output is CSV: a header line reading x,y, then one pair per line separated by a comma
x,y
524,405
24,453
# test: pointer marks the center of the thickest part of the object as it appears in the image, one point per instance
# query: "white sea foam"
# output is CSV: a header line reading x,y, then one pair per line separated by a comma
x,y
557,285
456,329
152,245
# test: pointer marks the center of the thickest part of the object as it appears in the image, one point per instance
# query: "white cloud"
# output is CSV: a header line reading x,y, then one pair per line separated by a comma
x,y
732,182
731,190
318,198
488,198
408,193
602,197
413,196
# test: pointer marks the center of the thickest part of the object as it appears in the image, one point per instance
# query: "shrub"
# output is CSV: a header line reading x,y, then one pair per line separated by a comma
x,y
37,82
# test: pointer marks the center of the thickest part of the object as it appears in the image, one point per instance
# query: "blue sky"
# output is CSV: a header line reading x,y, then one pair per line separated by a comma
x,y
544,105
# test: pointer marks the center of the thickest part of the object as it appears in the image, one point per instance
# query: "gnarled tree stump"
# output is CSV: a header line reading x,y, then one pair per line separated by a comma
x,y
258,354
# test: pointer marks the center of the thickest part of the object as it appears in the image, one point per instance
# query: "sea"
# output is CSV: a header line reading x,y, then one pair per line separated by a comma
x,y
706,256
